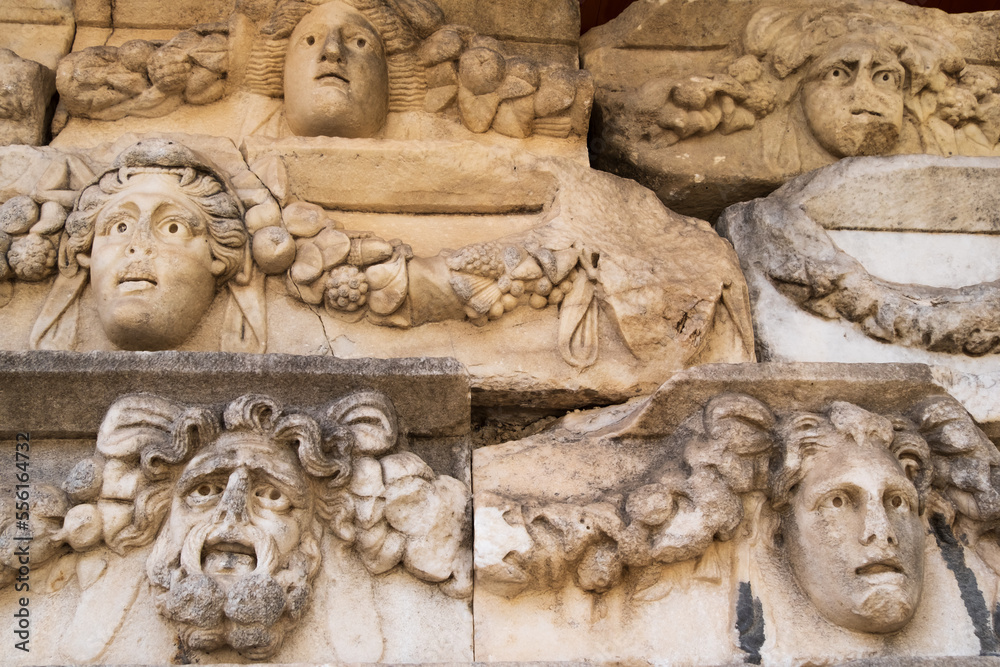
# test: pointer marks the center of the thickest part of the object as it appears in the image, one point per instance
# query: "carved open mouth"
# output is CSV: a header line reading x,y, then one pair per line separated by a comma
x,y
865,112
890,565
136,281
229,558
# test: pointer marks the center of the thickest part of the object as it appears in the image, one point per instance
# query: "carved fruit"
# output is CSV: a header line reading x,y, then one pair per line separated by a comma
x,y
334,245
84,481
308,264
32,257
18,214
51,220
481,259
135,54
265,214
481,70
83,527
445,44
346,289
303,219
273,250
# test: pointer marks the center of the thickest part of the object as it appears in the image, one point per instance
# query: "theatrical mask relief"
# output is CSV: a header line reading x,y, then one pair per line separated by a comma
x,y
342,69
224,522
163,249
426,331
747,509
779,89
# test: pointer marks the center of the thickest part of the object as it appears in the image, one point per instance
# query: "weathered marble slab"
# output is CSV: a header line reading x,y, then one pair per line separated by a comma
x,y
550,281
355,68
759,513
713,102
879,259
231,508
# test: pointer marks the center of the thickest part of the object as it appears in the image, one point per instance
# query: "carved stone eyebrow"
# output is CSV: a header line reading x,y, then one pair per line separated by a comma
x,y
816,495
223,465
117,213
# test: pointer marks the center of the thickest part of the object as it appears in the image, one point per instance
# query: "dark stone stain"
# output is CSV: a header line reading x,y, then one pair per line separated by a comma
x,y
972,597
750,623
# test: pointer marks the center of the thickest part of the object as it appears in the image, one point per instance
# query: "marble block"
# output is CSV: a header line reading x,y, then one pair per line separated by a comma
x,y
879,259
713,102
757,513
551,281
235,508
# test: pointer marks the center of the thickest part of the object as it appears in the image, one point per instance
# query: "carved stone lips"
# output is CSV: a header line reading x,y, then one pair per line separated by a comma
x,y
332,75
890,565
136,279
229,557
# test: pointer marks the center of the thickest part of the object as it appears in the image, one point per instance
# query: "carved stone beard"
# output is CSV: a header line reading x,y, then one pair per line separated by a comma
x,y
250,611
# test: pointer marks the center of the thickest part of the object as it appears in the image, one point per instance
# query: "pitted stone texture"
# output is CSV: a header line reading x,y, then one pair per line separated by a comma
x,y
757,506
713,102
877,259
256,525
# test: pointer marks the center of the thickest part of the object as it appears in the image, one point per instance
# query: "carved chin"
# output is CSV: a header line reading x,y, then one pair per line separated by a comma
x,y
885,609
862,137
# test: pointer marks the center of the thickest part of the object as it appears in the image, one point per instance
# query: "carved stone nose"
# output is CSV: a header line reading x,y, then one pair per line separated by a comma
x,y
233,505
332,49
141,240
877,528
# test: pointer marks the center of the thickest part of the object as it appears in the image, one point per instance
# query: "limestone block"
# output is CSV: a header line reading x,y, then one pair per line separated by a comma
x,y
878,259
25,100
758,513
713,102
39,30
553,21
237,508
397,70
551,281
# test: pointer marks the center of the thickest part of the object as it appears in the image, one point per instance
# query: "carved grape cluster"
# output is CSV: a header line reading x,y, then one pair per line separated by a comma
x,y
346,289
494,278
27,238
479,259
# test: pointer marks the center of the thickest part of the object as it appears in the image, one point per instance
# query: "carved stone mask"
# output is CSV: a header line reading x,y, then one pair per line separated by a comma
x,y
240,545
853,535
336,76
853,99
247,493
152,268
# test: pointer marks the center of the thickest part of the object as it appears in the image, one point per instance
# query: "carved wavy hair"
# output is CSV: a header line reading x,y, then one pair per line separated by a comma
x,y
402,24
803,434
325,460
227,234
792,37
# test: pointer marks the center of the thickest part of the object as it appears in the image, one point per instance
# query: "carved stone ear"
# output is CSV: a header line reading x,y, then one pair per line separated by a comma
x,y
370,417
135,422
158,431
741,422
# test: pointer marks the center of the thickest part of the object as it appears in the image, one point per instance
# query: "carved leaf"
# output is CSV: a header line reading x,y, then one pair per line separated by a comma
x,y
273,173
371,417
578,331
652,585
134,422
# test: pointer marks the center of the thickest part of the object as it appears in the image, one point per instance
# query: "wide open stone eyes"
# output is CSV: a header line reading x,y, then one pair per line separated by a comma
x,y
272,498
205,493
